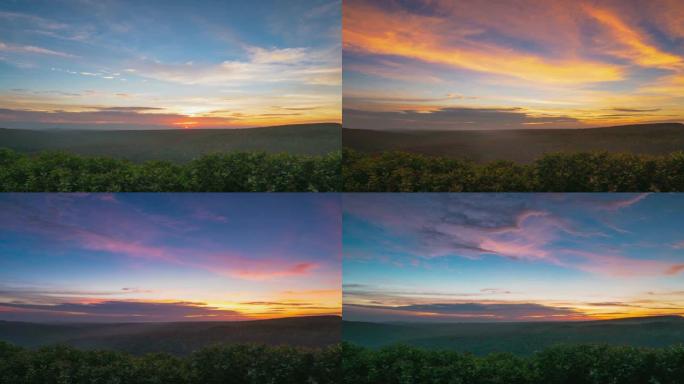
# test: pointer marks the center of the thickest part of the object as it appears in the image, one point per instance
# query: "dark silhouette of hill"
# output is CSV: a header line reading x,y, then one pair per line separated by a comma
x,y
176,144
519,338
521,145
179,338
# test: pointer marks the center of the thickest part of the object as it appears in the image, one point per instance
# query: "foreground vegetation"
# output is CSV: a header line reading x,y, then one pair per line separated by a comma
x,y
580,364
557,172
346,363
220,364
231,172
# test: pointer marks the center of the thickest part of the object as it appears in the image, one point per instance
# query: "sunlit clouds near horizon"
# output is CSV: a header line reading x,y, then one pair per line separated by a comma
x,y
467,65
169,64
512,257
168,257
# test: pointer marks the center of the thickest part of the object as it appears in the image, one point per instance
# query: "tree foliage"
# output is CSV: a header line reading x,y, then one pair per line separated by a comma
x,y
230,172
344,363
563,364
239,364
554,172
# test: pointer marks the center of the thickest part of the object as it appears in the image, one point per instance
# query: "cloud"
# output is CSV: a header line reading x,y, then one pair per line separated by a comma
x,y
454,118
616,204
108,228
475,226
257,269
438,38
634,44
118,311
30,49
299,65
110,118
636,109
675,269
32,19
611,264
460,312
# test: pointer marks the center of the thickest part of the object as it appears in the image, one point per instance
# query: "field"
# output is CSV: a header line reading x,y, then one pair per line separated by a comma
x,y
175,338
517,338
521,146
178,145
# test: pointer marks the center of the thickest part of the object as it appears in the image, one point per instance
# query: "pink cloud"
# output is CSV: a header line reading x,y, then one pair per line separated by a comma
x,y
617,265
259,273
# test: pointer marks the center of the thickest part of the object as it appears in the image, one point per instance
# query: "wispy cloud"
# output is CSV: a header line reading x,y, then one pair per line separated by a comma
x,y
473,226
461,312
30,49
572,60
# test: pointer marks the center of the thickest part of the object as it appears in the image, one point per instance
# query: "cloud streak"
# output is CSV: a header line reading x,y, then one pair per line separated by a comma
x,y
571,60
119,311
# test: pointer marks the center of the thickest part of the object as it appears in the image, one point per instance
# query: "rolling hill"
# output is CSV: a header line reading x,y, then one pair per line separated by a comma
x,y
518,338
178,338
520,145
176,144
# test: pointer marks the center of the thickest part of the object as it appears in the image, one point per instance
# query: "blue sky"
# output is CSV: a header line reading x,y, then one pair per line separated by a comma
x,y
110,257
512,257
169,64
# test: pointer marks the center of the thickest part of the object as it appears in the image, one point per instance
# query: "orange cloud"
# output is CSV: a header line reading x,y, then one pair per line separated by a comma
x,y
370,30
635,45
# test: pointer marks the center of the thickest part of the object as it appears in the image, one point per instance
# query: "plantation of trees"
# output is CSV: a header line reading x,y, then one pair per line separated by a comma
x,y
231,172
557,172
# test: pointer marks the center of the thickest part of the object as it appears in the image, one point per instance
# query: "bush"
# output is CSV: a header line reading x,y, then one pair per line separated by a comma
x,y
576,364
344,363
232,172
248,364
554,172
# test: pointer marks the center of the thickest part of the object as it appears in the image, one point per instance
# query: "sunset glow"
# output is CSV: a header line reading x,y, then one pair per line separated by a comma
x,y
151,64
168,257
512,257
512,64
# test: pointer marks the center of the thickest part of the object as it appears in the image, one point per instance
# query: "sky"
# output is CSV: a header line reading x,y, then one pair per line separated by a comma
x,y
168,257
95,64
512,257
468,65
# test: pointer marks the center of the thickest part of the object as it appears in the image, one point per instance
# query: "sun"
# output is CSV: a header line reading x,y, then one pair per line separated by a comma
x,y
186,124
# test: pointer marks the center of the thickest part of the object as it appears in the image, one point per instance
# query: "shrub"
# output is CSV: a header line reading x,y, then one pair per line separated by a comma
x,y
231,172
554,172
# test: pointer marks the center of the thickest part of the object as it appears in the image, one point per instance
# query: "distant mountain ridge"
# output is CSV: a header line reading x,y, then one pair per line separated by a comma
x,y
519,338
178,338
521,145
177,144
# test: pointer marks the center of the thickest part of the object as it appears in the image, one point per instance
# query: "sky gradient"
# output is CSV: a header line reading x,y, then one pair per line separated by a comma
x,y
456,65
512,257
169,64
168,257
